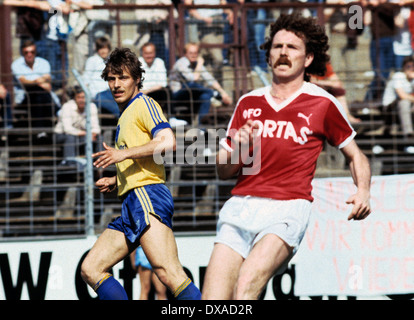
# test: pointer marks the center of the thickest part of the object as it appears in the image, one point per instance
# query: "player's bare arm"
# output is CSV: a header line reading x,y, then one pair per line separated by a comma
x,y
361,174
164,141
240,142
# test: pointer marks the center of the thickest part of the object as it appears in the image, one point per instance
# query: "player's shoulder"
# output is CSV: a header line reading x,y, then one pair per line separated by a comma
x,y
257,92
315,90
254,94
142,101
323,96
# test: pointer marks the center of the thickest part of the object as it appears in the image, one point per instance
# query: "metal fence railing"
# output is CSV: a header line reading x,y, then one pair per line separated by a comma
x,y
42,195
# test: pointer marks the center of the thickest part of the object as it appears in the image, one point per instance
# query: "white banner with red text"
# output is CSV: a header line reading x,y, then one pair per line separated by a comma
x,y
370,257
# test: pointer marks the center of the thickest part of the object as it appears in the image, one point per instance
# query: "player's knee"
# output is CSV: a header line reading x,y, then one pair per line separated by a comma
x,y
87,272
248,287
162,274
170,275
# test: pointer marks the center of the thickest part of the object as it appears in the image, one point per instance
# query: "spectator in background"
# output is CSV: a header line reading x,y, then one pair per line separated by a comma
x,y
343,44
256,22
153,27
52,45
209,31
189,79
83,20
92,76
399,94
331,83
155,84
381,21
143,267
402,39
5,107
71,126
33,86
30,18
50,38
228,31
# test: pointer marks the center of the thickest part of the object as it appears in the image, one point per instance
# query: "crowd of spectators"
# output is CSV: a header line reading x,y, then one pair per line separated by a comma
x,y
44,28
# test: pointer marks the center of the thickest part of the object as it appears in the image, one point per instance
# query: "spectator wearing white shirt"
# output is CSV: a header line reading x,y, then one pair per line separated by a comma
x,y
92,76
51,37
32,90
399,94
210,30
71,126
94,66
155,84
402,38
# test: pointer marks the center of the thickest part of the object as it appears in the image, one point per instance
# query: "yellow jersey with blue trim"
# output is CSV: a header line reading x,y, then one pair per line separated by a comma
x,y
137,125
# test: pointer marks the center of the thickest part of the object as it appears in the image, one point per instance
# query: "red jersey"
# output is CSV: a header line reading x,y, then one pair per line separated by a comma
x,y
292,135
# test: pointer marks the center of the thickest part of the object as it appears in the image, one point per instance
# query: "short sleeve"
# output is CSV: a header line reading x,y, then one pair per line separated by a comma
x,y
153,118
338,130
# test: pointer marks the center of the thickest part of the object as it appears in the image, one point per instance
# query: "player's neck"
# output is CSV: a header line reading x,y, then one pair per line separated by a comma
x,y
283,90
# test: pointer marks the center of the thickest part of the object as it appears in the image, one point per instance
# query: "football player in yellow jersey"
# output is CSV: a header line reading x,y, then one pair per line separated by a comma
x,y
147,204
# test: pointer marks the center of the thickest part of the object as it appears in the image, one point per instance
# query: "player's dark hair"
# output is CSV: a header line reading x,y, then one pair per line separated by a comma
x,y
313,35
124,59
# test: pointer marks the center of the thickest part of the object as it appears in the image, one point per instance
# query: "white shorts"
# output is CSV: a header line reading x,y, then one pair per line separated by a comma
x,y
244,220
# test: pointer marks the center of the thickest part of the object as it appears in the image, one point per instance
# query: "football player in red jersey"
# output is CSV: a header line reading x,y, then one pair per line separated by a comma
x,y
261,226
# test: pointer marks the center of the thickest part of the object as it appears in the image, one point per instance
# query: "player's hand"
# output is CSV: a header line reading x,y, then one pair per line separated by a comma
x,y
244,139
361,205
107,184
245,135
108,156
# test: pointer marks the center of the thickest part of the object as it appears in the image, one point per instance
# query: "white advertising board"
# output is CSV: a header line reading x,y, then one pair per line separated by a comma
x,y
342,259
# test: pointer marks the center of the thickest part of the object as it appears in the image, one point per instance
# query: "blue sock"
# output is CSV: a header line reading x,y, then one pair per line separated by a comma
x,y
110,289
187,291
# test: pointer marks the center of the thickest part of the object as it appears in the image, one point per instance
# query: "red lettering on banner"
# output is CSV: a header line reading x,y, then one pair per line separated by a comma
x,y
408,196
380,235
381,274
344,230
330,196
377,265
375,236
381,238
317,237
342,284
408,272
364,238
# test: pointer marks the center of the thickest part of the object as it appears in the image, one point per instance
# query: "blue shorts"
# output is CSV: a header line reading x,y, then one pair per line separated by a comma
x,y
138,204
141,259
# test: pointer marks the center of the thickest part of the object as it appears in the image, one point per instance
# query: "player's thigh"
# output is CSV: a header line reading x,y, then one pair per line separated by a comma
x,y
267,256
222,273
158,243
110,248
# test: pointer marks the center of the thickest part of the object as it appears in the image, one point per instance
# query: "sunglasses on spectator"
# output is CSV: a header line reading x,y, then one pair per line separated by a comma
x,y
29,51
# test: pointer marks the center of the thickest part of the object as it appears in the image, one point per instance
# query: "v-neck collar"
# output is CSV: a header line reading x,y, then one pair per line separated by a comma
x,y
279,106
138,95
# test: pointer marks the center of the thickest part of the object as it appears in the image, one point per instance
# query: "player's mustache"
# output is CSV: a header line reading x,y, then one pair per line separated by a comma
x,y
282,60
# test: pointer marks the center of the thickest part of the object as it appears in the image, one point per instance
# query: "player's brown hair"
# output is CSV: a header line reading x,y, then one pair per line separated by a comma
x,y
313,35
124,59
